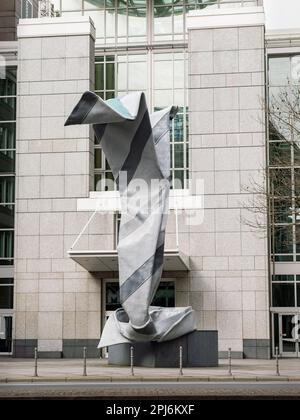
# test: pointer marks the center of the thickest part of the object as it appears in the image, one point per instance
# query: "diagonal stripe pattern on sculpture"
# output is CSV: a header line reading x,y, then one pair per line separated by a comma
x,y
137,147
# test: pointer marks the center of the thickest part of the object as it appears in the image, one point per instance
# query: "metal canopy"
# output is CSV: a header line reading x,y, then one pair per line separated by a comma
x,y
107,261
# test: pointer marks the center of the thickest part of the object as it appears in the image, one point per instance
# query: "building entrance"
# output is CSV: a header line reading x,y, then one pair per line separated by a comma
x,y
165,297
287,334
6,325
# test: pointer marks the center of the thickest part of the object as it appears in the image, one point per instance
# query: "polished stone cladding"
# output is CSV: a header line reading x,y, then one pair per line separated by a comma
x,y
228,151
55,298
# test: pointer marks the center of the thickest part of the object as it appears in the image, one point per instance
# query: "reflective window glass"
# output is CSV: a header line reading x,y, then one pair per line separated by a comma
x,y
283,211
7,199
137,76
6,247
179,156
99,77
178,20
98,159
283,295
163,21
295,69
27,9
7,109
297,185
6,297
8,85
165,296
7,161
296,150
280,154
7,136
160,74
137,23
283,240
279,71
122,24
7,190
283,278
298,237
281,182
71,5
110,24
110,76
178,181
94,4
163,73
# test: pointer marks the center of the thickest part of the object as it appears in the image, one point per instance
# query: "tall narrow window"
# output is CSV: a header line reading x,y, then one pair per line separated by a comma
x,y
284,158
7,165
142,46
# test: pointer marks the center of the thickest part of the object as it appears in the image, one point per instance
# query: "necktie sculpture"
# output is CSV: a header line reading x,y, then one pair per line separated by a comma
x,y
137,148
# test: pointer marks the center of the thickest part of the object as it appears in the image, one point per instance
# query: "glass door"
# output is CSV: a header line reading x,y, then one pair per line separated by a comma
x,y
289,325
6,325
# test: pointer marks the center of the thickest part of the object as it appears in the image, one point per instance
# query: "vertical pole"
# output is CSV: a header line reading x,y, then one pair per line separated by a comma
x,y
36,362
229,362
132,360
181,361
84,361
277,361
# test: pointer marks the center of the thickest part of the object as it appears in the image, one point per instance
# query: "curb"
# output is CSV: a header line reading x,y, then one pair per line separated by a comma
x,y
129,379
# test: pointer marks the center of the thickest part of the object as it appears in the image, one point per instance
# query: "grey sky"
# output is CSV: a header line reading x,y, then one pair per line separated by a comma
x,y
282,14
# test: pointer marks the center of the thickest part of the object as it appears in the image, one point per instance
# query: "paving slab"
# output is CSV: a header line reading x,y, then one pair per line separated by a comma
x,y
70,370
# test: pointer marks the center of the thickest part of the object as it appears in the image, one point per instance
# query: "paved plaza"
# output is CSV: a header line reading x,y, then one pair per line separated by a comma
x,y
65,370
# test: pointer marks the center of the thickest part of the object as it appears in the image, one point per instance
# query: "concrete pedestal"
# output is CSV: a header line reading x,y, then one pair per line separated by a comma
x,y
200,349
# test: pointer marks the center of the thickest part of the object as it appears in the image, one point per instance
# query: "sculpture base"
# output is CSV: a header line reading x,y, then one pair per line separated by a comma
x,y
200,349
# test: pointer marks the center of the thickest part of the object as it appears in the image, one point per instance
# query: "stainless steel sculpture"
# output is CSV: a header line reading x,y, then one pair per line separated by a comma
x,y
137,147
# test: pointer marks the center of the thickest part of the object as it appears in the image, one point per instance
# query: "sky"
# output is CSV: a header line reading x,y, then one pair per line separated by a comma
x,y
282,14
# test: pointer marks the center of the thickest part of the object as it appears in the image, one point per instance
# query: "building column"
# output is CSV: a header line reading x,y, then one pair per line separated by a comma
x,y
54,168
228,151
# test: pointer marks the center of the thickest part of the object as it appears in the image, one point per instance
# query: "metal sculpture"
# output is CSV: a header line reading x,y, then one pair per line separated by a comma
x,y
137,147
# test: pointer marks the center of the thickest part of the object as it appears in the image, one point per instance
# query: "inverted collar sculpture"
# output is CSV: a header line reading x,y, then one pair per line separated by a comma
x,y
137,147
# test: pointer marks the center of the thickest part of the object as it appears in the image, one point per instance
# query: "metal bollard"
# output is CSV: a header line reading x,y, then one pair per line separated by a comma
x,y
277,361
229,362
181,361
84,361
36,362
132,360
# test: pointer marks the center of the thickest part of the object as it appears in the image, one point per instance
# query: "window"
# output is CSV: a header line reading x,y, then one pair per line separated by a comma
x,y
285,291
137,21
117,228
284,160
104,87
27,9
103,177
6,246
7,165
165,296
7,198
6,293
116,75
105,84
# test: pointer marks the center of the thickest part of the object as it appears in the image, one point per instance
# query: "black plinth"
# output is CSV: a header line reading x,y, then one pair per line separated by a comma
x,y
200,349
